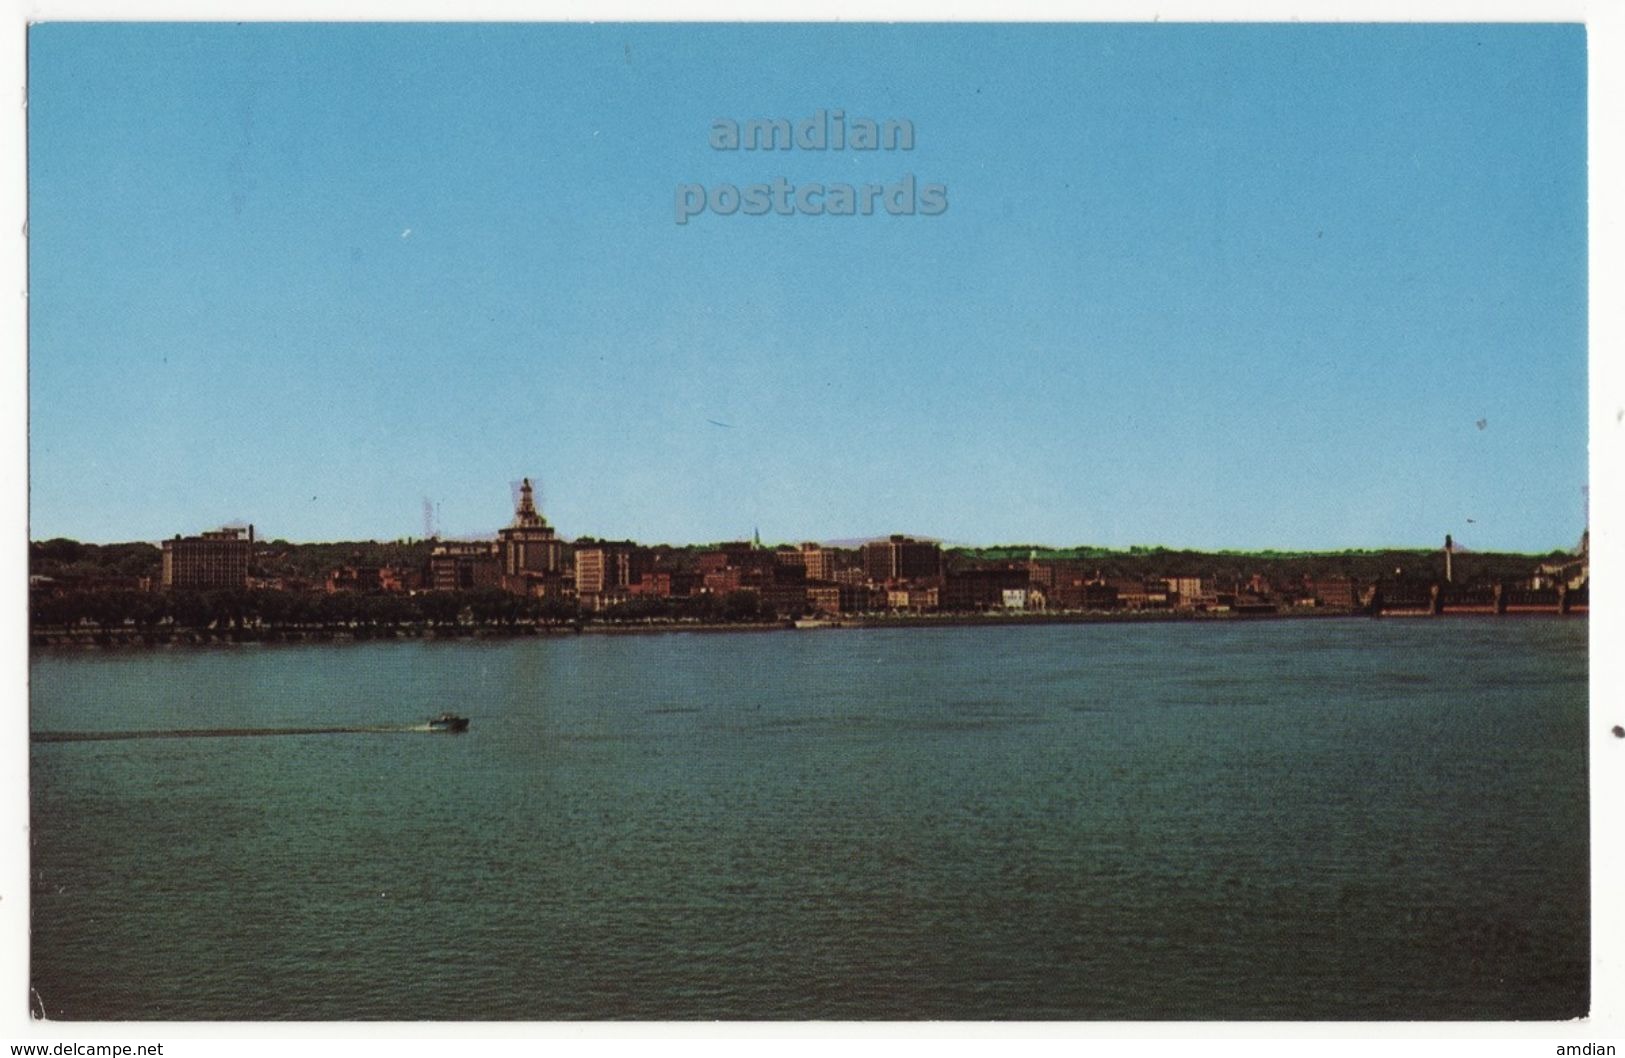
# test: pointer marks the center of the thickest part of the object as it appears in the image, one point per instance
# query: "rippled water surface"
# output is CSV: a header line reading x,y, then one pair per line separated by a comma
x,y
1330,819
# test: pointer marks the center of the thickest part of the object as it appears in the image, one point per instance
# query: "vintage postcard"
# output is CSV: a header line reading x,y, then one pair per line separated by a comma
x,y
809,522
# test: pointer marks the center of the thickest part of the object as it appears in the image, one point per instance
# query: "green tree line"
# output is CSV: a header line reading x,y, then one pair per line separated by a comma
x,y
239,610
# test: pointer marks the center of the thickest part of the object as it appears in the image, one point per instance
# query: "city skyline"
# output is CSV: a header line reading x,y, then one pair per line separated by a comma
x,y
753,534
1302,288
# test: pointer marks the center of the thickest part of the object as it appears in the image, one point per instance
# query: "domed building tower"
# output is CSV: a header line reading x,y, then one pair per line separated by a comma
x,y
534,560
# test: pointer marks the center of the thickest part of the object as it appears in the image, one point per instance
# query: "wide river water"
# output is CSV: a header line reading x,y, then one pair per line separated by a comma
x,y
1318,819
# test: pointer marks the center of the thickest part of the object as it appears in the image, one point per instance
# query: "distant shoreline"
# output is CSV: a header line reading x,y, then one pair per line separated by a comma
x,y
129,639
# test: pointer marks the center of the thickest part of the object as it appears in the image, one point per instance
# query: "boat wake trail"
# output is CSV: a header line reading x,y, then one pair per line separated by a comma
x,y
224,732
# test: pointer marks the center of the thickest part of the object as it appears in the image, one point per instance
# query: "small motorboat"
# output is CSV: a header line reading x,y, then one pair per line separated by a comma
x,y
448,722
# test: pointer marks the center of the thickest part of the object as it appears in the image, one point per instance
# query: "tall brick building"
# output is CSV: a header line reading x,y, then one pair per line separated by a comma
x,y
534,560
606,566
901,558
819,562
213,560
461,565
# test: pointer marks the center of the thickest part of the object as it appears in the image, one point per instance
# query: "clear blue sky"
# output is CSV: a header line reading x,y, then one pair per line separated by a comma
x,y
1206,286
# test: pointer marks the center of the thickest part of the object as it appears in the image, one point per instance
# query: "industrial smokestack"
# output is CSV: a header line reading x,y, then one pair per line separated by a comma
x,y
1449,549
